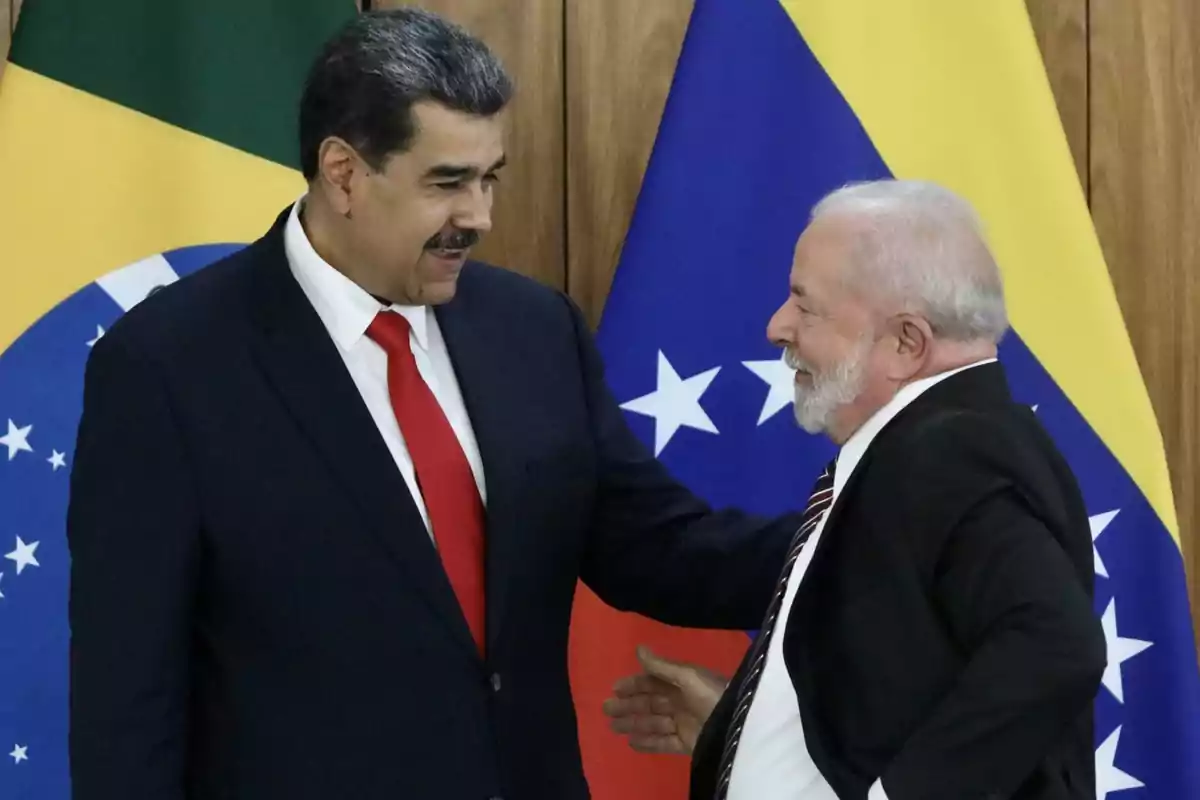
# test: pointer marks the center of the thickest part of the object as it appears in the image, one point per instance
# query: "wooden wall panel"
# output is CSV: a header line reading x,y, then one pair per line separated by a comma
x,y
528,233
621,57
14,11
1145,178
1062,32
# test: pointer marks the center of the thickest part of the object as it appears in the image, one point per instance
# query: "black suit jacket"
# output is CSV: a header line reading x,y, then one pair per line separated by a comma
x,y
257,611
943,637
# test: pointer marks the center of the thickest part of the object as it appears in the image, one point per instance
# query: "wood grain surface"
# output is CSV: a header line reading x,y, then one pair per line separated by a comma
x,y
1145,179
620,60
6,26
1062,32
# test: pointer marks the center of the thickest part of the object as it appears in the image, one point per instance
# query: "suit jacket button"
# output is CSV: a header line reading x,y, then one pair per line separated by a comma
x,y
495,681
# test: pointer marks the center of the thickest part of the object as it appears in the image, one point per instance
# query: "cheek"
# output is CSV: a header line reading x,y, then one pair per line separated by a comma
x,y
826,351
405,221
426,220
813,342
402,237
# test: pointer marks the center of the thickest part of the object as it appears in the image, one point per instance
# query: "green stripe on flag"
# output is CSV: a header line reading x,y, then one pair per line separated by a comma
x,y
230,70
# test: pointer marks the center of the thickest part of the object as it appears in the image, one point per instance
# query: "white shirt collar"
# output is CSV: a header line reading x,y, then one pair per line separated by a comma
x,y
344,306
854,448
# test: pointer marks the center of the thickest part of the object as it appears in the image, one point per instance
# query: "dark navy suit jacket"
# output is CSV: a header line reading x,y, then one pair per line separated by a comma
x,y
257,611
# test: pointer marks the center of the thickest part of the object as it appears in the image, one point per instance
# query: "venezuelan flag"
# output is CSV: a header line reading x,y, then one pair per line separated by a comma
x,y
776,102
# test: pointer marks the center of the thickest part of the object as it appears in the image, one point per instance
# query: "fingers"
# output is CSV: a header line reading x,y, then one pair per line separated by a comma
x,y
640,705
626,706
643,707
644,724
633,685
673,672
671,745
649,733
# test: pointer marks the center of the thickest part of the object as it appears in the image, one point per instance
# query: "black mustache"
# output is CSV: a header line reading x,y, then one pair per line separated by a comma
x,y
455,240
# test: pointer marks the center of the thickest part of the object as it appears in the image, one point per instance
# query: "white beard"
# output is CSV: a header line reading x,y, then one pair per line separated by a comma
x,y
815,406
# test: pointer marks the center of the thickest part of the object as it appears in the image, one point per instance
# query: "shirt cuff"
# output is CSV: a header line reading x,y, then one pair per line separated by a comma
x,y
876,792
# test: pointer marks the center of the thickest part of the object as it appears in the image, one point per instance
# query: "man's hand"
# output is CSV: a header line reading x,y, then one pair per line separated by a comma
x,y
664,708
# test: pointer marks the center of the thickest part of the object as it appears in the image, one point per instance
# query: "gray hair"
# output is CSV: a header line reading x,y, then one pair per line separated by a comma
x,y
363,84
921,247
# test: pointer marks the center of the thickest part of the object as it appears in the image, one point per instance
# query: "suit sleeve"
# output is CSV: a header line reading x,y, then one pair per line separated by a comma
x,y
654,547
1010,596
132,529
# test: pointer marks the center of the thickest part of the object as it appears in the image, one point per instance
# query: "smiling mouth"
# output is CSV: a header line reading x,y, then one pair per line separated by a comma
x,y
448,255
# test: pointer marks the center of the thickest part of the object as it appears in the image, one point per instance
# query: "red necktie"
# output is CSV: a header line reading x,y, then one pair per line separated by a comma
x,y
443,473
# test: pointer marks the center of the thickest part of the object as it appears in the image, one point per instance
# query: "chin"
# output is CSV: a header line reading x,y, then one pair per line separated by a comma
x,y
435,294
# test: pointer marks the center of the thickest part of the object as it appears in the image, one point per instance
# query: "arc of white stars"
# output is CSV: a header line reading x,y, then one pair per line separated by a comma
x,y
780,378
20,753
1098,523
1120,650
16,440
1108,777
1,578
99,336
675,403
23,556
57,460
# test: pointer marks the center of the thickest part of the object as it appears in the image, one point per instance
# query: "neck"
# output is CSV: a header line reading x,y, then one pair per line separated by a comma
x,y
946,357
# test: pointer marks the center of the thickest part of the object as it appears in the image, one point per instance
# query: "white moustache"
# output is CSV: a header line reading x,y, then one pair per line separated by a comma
x,y
794,362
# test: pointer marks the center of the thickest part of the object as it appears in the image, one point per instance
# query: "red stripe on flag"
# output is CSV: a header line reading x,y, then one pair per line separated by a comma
x,y
603,643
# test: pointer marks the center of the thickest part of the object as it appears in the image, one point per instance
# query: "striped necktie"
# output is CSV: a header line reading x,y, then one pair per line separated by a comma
x,y
818,503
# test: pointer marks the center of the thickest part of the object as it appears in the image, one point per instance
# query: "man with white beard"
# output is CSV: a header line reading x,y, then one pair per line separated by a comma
x,y
931,634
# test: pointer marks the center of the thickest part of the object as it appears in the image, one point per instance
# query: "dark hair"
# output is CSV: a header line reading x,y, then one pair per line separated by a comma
x,y
368,76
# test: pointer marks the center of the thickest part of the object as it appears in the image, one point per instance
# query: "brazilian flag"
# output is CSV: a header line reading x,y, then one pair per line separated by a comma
x,y
139,141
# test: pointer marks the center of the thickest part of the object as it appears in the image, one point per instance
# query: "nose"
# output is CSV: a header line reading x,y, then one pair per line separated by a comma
x,y
779,327
475,209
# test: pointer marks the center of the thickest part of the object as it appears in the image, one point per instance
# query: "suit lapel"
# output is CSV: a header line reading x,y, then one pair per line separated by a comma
x,y
304,366
492,396
824,545
980,387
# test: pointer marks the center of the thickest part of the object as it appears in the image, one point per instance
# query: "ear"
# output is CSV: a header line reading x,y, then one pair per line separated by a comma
x,y
914,341
339,165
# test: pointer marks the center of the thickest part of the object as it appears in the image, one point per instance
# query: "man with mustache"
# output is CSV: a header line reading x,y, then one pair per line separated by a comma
x,y
332,496
931,635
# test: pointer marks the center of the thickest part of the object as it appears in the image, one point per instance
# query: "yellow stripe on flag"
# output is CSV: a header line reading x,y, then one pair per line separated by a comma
x,y
90,186
956,92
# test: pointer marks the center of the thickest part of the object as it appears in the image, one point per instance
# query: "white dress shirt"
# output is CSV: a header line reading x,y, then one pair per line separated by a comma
x,y
772,760
347,309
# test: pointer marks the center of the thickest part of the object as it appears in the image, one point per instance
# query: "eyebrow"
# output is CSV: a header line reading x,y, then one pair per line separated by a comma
x,y
459,172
